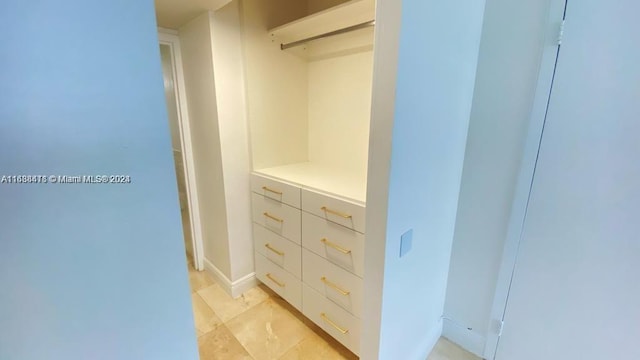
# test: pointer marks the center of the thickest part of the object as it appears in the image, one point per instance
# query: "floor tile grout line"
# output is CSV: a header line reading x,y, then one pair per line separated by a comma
x,y
291,348
245,310
232,334
238,340
235,316
214,313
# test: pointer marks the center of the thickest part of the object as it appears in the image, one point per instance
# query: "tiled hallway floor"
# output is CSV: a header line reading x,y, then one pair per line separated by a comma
x,y
261,326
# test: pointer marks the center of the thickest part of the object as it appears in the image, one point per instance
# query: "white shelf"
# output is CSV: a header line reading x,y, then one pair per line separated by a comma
x,y
336,182
348,14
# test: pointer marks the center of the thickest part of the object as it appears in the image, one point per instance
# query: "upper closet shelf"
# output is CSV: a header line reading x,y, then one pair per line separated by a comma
x,y
348,15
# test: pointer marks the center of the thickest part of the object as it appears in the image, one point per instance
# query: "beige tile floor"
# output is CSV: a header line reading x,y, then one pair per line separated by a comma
x,y
261,326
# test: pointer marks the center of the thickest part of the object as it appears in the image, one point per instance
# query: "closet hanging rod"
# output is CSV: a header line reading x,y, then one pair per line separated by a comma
x,y
332,33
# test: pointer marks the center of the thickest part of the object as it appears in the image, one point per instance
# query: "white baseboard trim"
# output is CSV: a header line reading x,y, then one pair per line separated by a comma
x,y
218,275
235,288
467,339
243,284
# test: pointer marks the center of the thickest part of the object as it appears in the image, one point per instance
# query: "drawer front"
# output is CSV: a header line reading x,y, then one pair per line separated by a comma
x,y
341,212
341,246
331,318
288,194
279,280
279,250
336,284
280,218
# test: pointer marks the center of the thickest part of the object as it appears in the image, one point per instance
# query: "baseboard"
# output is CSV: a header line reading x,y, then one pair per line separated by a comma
x,y
467,339
218,276
243,284
429,342
235,288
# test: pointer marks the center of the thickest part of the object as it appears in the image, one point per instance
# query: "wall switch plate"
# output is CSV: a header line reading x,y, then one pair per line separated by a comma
x,y
406,241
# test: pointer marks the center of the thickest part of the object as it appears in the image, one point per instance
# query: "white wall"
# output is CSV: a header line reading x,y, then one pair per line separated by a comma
x,y
214,77
195,42
296,105
88,271
575,290
510,52
228,68
340,111
277,98
417,153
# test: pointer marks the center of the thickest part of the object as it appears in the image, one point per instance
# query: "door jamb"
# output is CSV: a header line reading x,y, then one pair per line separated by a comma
x,y
170,38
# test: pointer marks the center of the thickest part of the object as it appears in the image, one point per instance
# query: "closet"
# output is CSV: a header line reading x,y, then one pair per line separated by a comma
x,y
309,74
285,100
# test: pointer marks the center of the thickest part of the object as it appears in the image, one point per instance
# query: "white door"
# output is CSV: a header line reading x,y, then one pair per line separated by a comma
x,y
576,286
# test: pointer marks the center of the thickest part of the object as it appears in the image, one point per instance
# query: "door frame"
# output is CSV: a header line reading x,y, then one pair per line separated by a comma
x,y
526,173
170,38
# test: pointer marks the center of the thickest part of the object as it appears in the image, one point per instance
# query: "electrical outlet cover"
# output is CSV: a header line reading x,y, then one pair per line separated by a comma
x,y
406,241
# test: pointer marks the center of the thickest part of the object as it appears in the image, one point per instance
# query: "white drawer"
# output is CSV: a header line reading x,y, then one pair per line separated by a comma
x,y
341,246
331,318
286,193
336,284
341,212
280,281
279,250
277,217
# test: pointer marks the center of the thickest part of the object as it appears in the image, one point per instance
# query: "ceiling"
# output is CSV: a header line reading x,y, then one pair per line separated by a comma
x,y
172,14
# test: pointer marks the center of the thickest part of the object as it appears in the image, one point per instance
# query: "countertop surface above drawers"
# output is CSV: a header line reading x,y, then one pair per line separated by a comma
x,y
347,186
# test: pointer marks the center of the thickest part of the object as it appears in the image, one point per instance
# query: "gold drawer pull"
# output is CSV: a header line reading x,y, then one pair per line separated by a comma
x,y
273,217
271,190
325,318
268,246
334,212
274,280
337,247
336,287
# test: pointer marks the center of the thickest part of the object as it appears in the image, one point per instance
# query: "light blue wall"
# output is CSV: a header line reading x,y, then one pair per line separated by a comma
x,y
438,55
575,292
88,271
510,51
